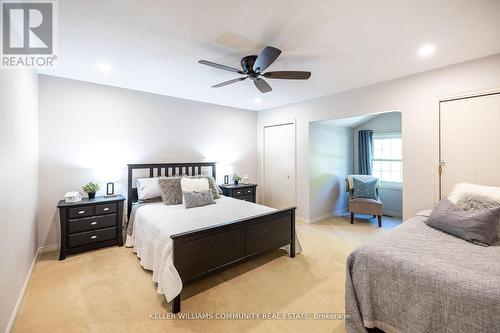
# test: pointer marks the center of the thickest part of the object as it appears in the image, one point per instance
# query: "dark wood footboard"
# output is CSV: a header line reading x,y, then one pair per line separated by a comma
x,y
201,252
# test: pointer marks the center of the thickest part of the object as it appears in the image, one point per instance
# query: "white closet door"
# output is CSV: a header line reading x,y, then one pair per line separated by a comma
x,y
279,166
470,142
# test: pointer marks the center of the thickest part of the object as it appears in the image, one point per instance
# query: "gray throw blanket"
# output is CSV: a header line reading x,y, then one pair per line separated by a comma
x,y
419,279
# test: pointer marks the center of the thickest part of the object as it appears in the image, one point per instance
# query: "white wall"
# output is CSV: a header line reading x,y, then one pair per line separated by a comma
x,y
19,179
86,127
416,97
330,161
392,197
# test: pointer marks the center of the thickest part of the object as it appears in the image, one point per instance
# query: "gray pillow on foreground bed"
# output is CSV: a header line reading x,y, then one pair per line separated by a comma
x,y
475,226
198,199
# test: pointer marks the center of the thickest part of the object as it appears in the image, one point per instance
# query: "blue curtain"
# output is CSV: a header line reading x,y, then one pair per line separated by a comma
x,y
365,152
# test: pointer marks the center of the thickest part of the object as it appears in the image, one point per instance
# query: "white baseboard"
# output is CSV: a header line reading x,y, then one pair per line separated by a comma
x,y
301,219
21,294
48,248
392,214
321,218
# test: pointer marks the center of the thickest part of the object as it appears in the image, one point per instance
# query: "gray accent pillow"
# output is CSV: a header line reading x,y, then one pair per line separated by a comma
x,y
171,191
475,226
212,185
480,203
198,199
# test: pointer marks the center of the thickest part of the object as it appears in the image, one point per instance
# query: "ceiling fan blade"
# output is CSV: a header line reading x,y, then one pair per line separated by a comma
x,y
225,83
290,75
227,68
266,57
262,85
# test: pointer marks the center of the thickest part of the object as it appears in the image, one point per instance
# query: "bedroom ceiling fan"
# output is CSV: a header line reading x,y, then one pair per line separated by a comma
x,y
253,68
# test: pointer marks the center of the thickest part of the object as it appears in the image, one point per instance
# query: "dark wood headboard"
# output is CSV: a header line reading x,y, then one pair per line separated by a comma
x,y
164,169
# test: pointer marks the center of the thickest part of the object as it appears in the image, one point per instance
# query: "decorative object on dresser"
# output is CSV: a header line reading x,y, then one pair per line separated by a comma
x,y
91,189
73,196
236,179
90,224
110,189
242,191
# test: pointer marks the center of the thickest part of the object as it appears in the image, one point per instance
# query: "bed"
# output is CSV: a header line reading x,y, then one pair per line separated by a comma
x,y
419,279
183,245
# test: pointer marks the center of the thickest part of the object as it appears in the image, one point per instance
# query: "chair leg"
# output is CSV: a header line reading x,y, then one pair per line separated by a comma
x,y
379,220
352,218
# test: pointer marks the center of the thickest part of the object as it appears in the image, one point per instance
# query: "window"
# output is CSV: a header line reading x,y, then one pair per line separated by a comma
x,y
387,163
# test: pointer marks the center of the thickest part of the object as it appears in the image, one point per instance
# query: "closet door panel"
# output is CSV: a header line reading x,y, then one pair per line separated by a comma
x,y
470,142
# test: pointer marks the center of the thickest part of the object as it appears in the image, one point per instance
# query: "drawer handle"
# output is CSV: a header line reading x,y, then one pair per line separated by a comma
x,y
93,223
81,212
106,209
93,237
249,191
238,192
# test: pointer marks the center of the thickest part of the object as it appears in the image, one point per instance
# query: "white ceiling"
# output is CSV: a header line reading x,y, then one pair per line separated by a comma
x,y
154,46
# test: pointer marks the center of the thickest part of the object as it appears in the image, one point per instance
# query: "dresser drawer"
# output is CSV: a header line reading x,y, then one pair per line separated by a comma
x,y
105,208
91,223
82,211
90,237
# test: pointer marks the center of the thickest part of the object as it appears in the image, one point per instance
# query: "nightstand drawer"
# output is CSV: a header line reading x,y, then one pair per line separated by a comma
x,y
105,208
248,190
246,198
82,211
238,192
90,237
91,223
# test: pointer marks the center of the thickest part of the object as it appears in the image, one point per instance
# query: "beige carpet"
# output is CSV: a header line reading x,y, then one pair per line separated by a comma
x,y
108,291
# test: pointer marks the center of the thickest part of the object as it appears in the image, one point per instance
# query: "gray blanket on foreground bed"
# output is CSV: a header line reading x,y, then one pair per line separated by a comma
x,y
418,279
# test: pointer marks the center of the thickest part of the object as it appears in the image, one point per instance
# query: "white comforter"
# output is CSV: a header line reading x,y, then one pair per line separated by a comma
x,y
154,223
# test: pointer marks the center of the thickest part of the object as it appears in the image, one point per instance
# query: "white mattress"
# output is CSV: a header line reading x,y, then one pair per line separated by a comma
x,y
154,223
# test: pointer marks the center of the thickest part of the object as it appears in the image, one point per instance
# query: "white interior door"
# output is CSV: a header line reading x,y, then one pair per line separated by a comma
x,y
470,142
279,166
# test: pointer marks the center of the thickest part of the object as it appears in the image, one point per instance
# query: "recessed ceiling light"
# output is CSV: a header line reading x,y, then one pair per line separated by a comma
x,y
104,67
426,51
257,100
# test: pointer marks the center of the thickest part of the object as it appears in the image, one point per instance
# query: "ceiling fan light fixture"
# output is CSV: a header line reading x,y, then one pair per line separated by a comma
x,y
253,67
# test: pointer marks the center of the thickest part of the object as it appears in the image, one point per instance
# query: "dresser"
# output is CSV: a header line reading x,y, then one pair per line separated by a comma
x,y
241,191
90,224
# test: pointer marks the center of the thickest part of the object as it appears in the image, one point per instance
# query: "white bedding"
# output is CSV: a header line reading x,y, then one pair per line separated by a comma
x,y
154,223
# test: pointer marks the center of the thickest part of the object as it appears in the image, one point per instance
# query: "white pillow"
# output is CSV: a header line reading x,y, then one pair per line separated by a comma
x,y
148,188
194,184
464,191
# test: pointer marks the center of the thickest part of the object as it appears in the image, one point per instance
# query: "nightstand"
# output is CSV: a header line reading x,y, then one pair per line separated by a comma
x,y
241,191
90,224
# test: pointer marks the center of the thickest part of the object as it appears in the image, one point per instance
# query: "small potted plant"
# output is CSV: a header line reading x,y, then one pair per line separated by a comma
x,y
236,179
91,189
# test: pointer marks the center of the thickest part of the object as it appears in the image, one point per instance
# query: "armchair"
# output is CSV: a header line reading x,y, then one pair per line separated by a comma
x,y
364,205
